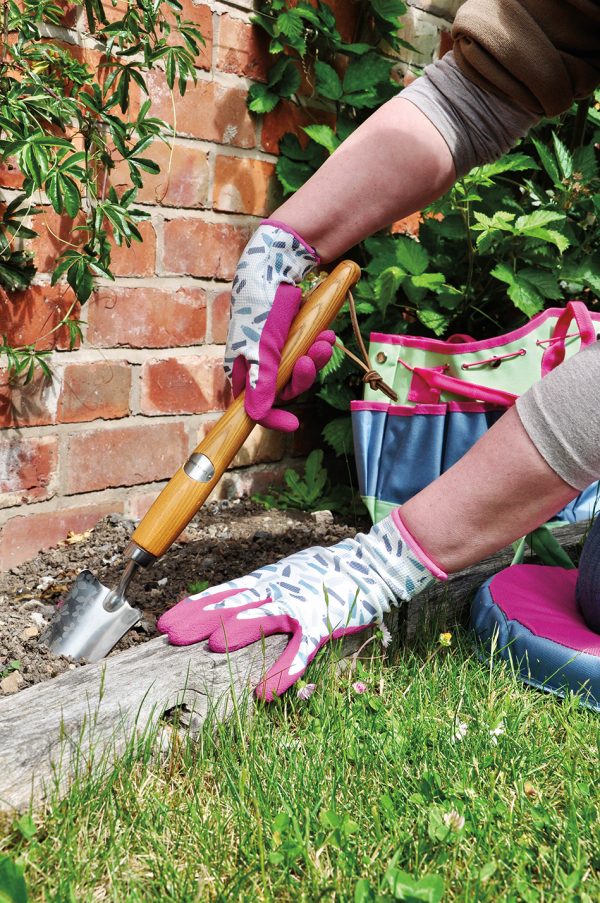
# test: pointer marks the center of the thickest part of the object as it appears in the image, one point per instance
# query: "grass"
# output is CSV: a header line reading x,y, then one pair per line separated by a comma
x,y
400,792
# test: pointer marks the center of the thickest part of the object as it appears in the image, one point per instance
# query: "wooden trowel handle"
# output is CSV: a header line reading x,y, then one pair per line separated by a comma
x,y
184,495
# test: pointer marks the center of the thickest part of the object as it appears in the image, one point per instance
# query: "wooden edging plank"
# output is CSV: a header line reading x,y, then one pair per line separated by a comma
x,y
89,715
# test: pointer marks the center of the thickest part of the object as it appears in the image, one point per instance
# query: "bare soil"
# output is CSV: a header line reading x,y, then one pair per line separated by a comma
x,y
225,540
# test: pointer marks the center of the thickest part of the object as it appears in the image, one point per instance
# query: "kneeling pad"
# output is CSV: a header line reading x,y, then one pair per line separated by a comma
x,y
532,612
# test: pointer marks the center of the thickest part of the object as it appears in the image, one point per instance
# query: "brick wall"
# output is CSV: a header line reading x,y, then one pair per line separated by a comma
x,y
122,411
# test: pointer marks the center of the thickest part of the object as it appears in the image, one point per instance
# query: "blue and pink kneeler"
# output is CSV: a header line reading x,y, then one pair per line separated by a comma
x,y
545,620
528,615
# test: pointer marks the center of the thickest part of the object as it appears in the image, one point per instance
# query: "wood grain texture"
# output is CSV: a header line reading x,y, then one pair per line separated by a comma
x,y
182,497
84,719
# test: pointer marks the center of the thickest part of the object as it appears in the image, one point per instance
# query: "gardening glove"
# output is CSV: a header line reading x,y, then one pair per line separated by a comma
x,y
265,298
315,595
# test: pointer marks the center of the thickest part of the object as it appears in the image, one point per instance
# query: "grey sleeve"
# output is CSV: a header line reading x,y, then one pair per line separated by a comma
x,y
477,126
561,416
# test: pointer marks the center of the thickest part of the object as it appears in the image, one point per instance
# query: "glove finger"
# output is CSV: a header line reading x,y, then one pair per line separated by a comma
x,y
292,664
303,376
321,352
278,419
253,624
194,619
306,367
261,388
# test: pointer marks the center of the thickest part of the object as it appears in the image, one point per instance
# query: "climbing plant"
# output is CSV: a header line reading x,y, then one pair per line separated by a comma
x,y
508,239
67,120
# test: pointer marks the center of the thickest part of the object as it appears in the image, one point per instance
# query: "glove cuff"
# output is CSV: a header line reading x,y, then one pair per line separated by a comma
x,y
421,554
277,224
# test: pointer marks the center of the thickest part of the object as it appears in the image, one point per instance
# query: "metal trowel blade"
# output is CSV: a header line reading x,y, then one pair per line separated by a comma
x,y
83,627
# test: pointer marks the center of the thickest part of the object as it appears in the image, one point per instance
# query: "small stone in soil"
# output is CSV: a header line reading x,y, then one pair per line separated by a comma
x,y
11,683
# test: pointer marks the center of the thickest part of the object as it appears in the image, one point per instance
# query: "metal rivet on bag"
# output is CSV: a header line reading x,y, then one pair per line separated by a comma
x,y
381,357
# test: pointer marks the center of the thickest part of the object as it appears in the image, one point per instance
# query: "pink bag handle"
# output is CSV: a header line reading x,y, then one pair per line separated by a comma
x,y
459,338
437,380
555,352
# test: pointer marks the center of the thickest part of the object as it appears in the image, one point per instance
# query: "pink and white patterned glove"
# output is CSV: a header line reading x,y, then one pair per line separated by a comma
x,y
315,595
265,298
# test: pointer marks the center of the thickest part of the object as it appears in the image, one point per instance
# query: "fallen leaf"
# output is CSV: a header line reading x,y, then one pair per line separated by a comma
x,y
73,538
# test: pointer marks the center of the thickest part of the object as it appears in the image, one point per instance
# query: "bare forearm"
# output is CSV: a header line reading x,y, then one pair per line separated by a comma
x,y
393,164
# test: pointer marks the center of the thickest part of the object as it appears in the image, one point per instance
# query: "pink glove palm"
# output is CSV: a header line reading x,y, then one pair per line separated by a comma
x,y
265,298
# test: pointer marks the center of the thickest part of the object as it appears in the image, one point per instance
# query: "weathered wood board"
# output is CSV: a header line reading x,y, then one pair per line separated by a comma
x,y
84,719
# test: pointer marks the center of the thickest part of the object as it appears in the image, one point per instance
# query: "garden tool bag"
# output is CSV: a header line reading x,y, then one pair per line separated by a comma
x,y
448,393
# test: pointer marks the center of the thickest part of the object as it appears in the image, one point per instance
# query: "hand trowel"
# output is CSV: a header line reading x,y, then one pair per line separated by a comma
x,y
92,617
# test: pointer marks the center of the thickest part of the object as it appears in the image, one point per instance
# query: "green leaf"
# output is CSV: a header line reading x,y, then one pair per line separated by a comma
x,y
405,887
363,892
284,78
433,319
548,161
538,218
72,198
292,174
338,435
523,293
290,24
411,255
431,281
585,271
386,286
323,135
26,826
356,49
390,10
12,883
551,236
563,157
366,73
514,162
544,281
328,82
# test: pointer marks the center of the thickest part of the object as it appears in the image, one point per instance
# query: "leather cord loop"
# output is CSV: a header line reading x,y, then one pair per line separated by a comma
x,y
370,375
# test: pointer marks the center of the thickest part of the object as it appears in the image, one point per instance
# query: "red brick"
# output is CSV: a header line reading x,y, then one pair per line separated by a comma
x,y
242,48
136,506
219,317
93,390
124,456
347,18
139,259
288,117
197,248
30,405
243,185
70,14
183,178
146,317
261,447
23,536
31,316
238,483
26,469
208,110
10,174
55,235
185,385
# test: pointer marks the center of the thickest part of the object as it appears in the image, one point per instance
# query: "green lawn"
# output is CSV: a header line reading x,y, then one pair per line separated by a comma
x,y
442,770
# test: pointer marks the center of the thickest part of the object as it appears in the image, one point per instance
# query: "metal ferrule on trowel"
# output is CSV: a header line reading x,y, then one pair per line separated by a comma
x,y
92,617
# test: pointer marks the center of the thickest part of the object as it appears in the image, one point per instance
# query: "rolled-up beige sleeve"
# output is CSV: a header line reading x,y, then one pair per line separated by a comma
x,y
540,54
